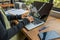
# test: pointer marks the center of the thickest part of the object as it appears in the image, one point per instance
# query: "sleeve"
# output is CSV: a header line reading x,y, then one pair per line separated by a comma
x,y
2,30
16,29
12,31
13,17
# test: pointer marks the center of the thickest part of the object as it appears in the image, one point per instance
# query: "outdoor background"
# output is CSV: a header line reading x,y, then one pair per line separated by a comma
x,y
56,2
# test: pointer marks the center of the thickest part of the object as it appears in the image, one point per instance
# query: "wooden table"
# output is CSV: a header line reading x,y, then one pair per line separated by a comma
x,y
6,5
53,23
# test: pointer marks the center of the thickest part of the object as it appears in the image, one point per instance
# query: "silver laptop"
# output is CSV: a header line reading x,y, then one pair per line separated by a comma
x,y
40,17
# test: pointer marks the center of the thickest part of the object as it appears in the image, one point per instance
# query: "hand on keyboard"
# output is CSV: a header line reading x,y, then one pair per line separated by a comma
x,y
30,18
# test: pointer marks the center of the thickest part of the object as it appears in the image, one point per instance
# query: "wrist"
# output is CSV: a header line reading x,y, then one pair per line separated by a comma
x,y
26,21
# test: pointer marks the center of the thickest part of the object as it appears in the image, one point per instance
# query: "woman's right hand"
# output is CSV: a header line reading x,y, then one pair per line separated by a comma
x,y
30,18
25,15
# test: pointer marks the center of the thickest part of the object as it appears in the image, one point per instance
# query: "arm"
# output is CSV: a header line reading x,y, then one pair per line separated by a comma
x,y
13,17
12,31
2,30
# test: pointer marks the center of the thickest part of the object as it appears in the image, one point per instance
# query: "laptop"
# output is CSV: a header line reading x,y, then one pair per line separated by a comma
x,y
43,14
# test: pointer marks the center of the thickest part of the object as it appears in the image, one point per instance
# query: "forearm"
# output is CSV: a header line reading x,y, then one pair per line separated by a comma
x,y
16,29
7,34
2,30
13,17
12,31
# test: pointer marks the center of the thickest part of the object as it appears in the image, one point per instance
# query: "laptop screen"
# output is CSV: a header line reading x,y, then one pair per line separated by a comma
x,y
44,12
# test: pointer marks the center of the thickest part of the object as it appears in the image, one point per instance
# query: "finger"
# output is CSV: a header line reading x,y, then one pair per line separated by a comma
x,y
25,15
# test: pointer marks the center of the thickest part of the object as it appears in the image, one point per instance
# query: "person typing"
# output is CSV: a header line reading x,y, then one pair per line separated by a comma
x,y
6,30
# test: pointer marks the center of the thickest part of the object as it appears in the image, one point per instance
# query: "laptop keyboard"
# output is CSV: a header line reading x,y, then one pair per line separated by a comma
x,y
34,24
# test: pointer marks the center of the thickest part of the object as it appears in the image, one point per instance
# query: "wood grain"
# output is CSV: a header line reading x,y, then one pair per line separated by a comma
x,y
52,23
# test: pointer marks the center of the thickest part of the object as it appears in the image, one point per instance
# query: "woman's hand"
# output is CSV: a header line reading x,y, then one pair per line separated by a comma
x,y
14,22
25,15
30,18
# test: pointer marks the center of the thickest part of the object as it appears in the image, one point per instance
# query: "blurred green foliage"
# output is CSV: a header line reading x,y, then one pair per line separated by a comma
x,y
56,2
